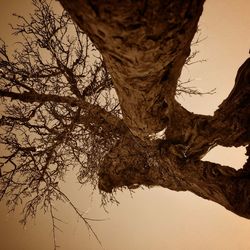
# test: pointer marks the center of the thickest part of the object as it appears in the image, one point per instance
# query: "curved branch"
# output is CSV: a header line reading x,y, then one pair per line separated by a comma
x,y
233,115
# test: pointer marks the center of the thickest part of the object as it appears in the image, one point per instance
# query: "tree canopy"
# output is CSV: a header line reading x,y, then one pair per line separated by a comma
x,y
113,115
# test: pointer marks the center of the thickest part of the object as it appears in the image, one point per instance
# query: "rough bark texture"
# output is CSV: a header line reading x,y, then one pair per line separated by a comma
x,y
145,45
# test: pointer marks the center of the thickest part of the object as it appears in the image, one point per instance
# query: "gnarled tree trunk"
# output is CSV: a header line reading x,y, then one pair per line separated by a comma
x,y
144,45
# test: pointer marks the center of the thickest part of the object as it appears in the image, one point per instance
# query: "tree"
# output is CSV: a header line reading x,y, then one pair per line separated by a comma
x,y
61,111
144,46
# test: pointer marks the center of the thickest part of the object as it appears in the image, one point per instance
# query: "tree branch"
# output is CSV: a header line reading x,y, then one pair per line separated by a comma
x,y
98,112
233,115
130,164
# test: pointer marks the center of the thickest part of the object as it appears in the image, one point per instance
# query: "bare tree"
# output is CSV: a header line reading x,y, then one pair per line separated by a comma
x,y
61,110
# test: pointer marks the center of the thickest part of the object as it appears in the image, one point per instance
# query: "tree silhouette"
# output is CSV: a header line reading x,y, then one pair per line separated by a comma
x,y
113,116
59,111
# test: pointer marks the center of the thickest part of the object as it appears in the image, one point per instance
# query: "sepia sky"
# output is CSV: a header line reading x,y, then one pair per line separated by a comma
x,y
157,218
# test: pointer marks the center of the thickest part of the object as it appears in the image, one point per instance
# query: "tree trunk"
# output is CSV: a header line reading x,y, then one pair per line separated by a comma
x,y
144,45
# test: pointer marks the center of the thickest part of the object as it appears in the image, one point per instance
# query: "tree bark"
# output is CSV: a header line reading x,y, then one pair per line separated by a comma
x,y
144,46
131,164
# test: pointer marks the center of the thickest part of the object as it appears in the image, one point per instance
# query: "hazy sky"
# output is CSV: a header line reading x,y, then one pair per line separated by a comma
x,y
155,219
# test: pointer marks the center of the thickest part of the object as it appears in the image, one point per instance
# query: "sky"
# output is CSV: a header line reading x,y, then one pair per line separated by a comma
x,y
156,218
